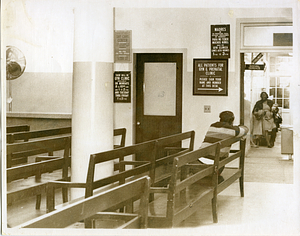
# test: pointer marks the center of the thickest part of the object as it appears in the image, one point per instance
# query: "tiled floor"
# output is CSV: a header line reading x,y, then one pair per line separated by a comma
x,y
268,207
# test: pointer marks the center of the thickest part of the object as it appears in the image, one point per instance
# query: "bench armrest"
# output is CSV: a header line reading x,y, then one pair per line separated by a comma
x,y
52,185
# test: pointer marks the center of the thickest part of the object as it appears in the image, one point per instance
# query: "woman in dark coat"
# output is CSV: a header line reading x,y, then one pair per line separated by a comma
x,y
263,120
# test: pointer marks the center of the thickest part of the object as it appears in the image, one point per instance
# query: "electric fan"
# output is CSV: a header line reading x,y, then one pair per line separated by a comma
x,y
15,63
15,67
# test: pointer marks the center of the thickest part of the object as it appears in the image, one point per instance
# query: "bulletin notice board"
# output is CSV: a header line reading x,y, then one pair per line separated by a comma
x,y
210,77
122,86
122,46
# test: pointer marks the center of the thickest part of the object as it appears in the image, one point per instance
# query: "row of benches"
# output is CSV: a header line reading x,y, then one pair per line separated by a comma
x,y
39,143
185,183
18,154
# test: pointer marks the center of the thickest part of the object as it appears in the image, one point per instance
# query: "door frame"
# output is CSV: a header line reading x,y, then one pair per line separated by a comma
x,y
183,51
240,49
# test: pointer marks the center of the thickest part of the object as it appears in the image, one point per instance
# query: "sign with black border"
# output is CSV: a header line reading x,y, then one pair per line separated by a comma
x,y
122,86
210,77
220,41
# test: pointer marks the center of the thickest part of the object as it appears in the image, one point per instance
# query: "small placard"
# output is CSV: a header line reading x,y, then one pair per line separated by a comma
x,y
210,77
122,46
122,85
220,41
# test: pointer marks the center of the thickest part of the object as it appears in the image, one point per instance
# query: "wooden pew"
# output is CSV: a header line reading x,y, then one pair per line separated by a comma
x,y
17,128
50,164
123,175
18,155
200,180
95,209
27,135
151,152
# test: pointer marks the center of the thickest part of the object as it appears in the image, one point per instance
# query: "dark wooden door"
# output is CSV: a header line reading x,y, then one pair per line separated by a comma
x,y
158,95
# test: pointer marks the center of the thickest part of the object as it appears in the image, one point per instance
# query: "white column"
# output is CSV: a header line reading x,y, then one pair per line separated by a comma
x,y
92,105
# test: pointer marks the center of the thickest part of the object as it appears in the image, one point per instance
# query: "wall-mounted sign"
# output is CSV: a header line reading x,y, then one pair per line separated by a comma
x,y
122,46
255,67
210,77
220,41
122,84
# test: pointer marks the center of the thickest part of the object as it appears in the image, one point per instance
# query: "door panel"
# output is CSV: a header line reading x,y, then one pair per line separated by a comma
x,y
158,95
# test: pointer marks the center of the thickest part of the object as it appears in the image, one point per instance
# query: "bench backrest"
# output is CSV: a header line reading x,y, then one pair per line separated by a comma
x,y
11,138
38,147
17,152
17,128
148,150
83,209
120,132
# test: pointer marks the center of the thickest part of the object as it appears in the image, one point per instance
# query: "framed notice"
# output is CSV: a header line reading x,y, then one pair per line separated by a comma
x,y
210,77
122,46
122,86
220,41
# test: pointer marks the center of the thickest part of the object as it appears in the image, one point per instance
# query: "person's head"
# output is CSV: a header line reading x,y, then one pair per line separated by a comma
x,y
227,116
264,96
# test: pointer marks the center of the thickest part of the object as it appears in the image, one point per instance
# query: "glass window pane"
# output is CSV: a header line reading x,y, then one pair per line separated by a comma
x,y
279,102
160,89
263,35
284,82
272,82
279,92
272,92
286,93
286,103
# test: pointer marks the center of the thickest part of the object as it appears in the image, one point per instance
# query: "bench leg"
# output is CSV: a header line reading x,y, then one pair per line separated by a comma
x,y
38,201
214,209
241,179
65,194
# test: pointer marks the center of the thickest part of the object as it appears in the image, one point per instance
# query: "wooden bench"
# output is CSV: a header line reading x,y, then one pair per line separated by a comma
x,y
95,209
17,128
18,154
167,148
27,135
37,186
200,180
150,163
122,175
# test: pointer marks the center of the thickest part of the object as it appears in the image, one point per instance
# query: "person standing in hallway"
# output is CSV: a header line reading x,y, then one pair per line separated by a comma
x,y
263,121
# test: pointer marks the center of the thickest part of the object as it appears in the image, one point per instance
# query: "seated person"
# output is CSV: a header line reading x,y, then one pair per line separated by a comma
x,y
221,130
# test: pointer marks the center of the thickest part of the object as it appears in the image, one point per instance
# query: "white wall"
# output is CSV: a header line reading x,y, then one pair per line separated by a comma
x,y
160,29
43,31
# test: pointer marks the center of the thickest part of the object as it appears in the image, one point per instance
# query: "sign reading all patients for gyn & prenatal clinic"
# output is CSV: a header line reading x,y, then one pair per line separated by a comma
x,y
210,77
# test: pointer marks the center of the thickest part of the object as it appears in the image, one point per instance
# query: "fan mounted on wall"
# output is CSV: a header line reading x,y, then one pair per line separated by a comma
x,y
15,67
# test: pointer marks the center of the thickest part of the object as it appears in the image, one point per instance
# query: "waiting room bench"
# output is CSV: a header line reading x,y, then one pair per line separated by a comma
x,y
99,209
192,181
147,166
27,135
31,174
18,154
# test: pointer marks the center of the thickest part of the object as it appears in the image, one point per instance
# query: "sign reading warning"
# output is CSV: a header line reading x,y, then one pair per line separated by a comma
x,y
210,77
